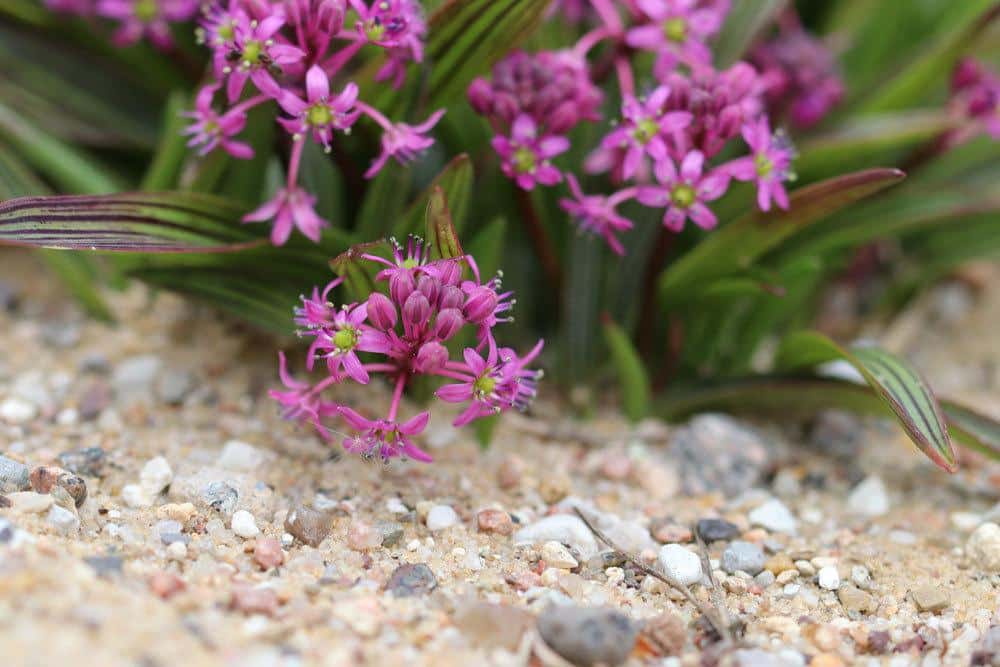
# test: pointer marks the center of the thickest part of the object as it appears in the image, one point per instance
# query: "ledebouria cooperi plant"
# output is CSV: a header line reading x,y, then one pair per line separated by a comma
x,y
403,334
665,149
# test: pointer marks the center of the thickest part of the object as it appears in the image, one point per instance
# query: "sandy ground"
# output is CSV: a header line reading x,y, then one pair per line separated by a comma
x,y
99,584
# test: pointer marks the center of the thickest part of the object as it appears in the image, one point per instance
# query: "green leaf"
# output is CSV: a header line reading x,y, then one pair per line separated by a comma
x,y
441,235
165,168
736,246
632,377
485,428
128,222
455,180
744,22
384,202
486,247
899,386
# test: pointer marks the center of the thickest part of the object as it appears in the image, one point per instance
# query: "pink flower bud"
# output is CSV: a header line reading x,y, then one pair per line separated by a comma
x,y
417,310
564,117
481,96
401,284
430,287
967,74
381,312
431,357
481,304
451,297
449,321
449,273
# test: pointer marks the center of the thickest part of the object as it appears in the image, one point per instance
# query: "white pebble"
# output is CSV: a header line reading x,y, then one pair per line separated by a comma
x,y
244,525
563,528
17,410
440,517
396,506
966,521
240,456
869,498
775,517
683,564
829,578
64,520
155,476
556,555
177,551
29,502
136,496
983,547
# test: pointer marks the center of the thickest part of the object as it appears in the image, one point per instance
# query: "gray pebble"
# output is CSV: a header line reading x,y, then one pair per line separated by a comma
x,y
14,476
65,521
587,636
765,578
88,461
719,453
6,531
95,363
10,298
390,531
105,566
715,530
744,557
93,400
61,334
135,374
174,385
308,525
412,579
220,497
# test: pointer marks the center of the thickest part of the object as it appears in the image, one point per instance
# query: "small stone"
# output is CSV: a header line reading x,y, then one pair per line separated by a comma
x,y
88,461
587,636
554,487
16,410
174,385
244,524
510,472
743,557
93,400
178,512
856,600
165,585
155,476
390,532
308,525
735,585
267,553
775,517
411,580
682,564
983,547
29,502
494,521
135,375
765,578
879,642
829,578
45,478
861,577
787,576
362,536
253,600
965,521
491,626
177,551
826,660
564,528
931,598
136,497
556,555
869,498
716,530
6,531
63,520
220,497
441,517
105,566
668,532
718,453
240,456
987,651
805,568
779,563
667,633
14,476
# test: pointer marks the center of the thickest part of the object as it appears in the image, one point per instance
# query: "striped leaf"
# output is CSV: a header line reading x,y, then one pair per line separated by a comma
x,y
441,234
456,182
128,222
895,382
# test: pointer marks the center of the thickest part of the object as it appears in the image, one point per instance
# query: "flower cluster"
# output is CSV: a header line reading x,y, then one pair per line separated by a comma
x,y
976,97
664,150
404,333
135,19
291,53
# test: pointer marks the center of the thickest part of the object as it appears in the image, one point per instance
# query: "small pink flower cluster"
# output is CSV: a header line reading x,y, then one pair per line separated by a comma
x,y
975,93
289,52
136,19
403,334
660,153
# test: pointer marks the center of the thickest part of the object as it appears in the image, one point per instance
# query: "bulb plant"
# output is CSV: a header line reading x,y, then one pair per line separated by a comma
x,y
673,186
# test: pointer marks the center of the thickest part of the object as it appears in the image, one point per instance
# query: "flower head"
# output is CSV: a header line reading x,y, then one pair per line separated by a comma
x,y
677,31
684,192
597,214
385,439
146,18
403,142
319,113
290,207
210,130
256,53
526,157
769,164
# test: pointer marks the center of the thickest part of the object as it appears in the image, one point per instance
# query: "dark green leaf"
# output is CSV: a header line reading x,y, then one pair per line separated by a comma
x,y
384,201
745,21
899,385
441,235
486,247
455,180
632,377
165,168
485,428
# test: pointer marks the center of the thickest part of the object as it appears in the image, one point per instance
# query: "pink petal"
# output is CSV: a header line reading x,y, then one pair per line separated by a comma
x,y
675,120
523,130
673,219
552,145
474,361
356,420
648,37
714,185
267,210
692,165
653,196
702,216
455,393
742,169
666,172
282,228
317,84
354,368
416,424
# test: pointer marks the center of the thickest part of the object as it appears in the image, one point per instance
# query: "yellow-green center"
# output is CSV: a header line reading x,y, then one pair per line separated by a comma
x,y
682,196
226,32
146,10
525,160
484,385
675,29
763,165
252,51
374,30
345,339
411,263
645,130
319,115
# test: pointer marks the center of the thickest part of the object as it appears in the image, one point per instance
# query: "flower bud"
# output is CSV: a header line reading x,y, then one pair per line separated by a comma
x,y
416,310
451,297
431,356
381,312
430,287
564,117
481,96
401,284
449,272
449,321
481,304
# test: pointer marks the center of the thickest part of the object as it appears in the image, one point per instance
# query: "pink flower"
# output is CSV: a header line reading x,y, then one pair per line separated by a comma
x,y
401,141
256,53
684,193
290,207
976,96
597,214
340,342
645,130
316,22
769,165
301,402
394,24
211,130
149,18
677,32
385,438
525,156
318,113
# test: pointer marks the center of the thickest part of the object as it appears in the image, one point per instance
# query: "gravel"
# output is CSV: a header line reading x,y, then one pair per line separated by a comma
x,y
585,636
681,563
742,556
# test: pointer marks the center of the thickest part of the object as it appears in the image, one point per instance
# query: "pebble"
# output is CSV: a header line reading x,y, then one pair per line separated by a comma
x,y
829,578
220,497
16,410
412,580
308,525
390,532
174,385
965,521
177,551
987,651
805,568
155,476
861,577
667,531
254,600
14,476
765,578
775,517
244,524
564,528
441,517
667,632
65,521
267,553
779,563
554,487
755,657
165,585
240,456
135,375
587,636
743,557
88,461
716,530
494,521
136,497
869,498
931,598
489,626
682,564
29,502
983,547
44,479
856,600
362,536
6,531
556,555
105,566
93,400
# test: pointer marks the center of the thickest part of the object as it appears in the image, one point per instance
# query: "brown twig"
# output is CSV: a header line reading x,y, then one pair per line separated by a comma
x,y
720,607
714,616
